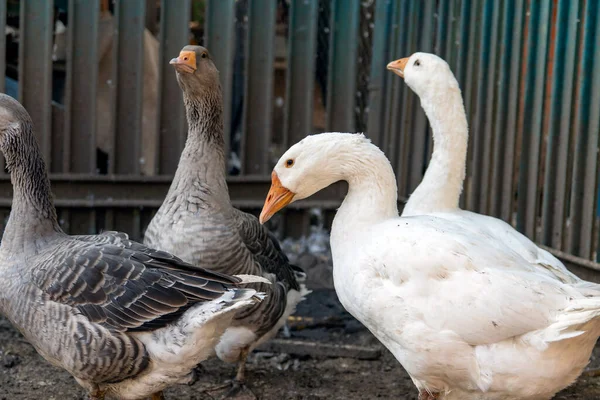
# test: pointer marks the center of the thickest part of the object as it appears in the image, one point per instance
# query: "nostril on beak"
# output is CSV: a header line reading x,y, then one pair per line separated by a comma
x,y
269,197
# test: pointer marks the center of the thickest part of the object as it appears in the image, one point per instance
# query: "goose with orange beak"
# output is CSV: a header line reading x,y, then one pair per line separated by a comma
x,y
471,310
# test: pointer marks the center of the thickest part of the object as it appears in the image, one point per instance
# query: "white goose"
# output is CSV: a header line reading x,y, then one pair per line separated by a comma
x,y
438,194
466,315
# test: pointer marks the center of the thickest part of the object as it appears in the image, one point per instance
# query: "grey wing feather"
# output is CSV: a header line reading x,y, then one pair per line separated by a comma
x,y
267,251
124,285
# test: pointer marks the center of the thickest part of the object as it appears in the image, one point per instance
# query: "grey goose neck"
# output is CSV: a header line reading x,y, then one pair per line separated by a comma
x,y
33,213
202,164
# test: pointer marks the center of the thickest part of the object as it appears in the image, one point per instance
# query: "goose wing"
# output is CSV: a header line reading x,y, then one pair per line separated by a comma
x,y
124,285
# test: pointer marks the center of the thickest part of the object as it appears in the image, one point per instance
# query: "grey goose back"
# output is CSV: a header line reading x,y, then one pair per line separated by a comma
x,y
124,319
198,223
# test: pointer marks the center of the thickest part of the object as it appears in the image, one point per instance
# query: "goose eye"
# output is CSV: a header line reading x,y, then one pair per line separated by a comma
x,y
204,55
289,163
417,63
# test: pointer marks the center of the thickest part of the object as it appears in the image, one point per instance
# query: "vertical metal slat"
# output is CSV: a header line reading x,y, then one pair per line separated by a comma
x,y
130,64
82,80
470,36
379,77
500,121
171,119
343,47
506,205
302,42
3,13
220,41
535,75
583,190
480,129
420,128
35,67
403,102
553,206
258,98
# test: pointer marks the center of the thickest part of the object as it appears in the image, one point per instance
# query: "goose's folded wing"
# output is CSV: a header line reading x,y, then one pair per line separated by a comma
x,y
124,285
459,282
266,250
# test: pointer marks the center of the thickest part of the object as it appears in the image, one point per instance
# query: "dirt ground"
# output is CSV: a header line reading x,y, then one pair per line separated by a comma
x,y
25,375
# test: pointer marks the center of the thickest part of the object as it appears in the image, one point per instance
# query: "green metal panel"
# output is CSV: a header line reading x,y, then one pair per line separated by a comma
x,y
301,70
481,126
380,77
424,43
129,69
471,37
535,75
402,110
174,34
220,40
82,81
586,129
565,45
35,68
500,156
258,98
2,44
509,156
342,65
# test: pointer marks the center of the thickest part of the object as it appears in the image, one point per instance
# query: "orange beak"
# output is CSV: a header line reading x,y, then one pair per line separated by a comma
x,y
186,62
397,66
277,198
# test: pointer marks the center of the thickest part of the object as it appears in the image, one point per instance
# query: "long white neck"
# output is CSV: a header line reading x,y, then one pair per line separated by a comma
x,y
442,184
372,191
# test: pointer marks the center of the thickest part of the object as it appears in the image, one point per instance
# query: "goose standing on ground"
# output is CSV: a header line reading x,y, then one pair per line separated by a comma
x,y
198,223
467,317
438,194
125,320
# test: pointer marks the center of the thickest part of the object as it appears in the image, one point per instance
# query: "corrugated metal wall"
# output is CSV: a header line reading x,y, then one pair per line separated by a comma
x,y
528,71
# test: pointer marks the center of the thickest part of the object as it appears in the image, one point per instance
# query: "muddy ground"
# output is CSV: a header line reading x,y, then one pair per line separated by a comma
x,y
25,375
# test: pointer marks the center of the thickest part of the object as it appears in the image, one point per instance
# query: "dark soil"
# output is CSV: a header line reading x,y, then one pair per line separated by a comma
x,y
25,375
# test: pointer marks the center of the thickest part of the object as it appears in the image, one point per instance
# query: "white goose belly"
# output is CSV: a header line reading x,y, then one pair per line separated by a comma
x,y
440,361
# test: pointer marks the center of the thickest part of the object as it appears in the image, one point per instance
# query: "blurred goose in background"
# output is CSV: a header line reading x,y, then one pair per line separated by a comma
x,y
198,223
438,194
466,315
125,320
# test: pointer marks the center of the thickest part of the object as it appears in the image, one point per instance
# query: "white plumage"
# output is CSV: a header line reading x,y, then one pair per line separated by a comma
x,y
468,315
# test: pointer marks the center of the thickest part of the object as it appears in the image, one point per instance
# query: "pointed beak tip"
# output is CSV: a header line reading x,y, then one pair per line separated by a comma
x,y
277,198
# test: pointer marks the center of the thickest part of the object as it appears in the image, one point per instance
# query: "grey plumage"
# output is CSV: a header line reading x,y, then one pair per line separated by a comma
x,y
198,223
93,304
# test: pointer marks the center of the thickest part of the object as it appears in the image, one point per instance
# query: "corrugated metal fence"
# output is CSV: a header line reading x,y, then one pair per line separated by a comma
x,y
528,70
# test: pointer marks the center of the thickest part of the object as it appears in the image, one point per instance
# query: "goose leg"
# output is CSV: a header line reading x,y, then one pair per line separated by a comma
x,y
158,396
97,395
425,395
238,384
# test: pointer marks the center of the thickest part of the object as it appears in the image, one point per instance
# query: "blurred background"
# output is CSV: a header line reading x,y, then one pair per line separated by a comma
x,y
95,77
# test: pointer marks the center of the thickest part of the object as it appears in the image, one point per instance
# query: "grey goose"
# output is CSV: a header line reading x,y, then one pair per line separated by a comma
x,y
198,222
124,319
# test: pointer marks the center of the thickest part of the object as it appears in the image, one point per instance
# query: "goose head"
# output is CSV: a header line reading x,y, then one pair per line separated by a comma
x,y
311,165
196,71
426,74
